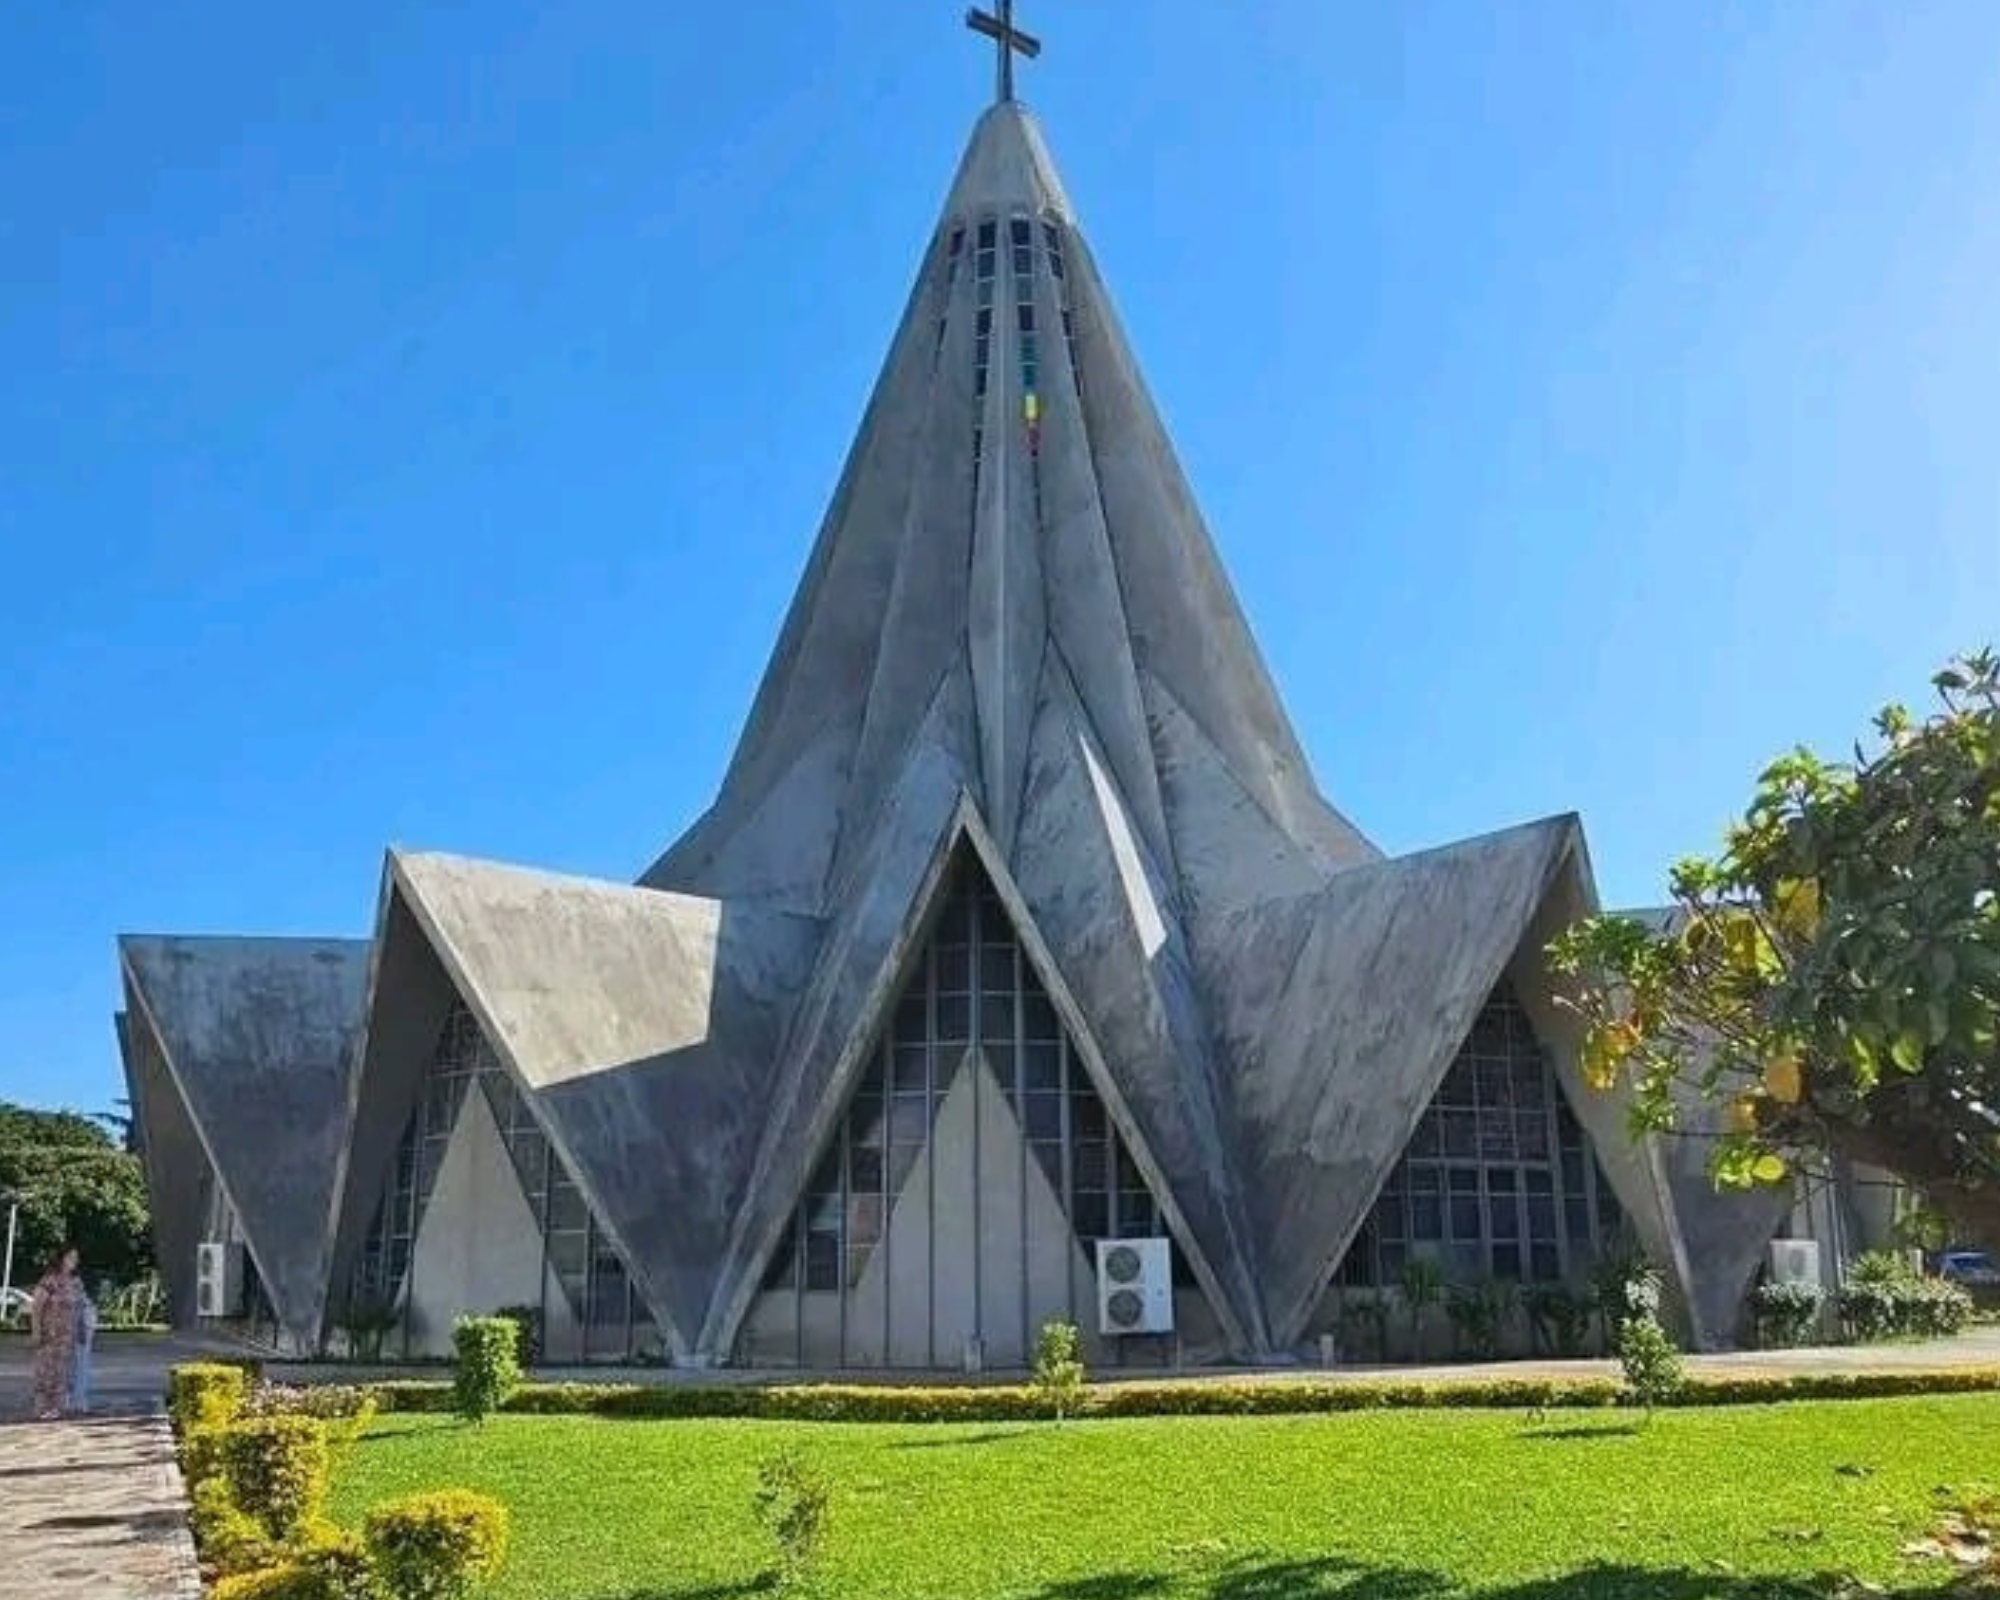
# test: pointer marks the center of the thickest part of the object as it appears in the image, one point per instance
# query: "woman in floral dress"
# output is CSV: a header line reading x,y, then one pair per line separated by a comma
x,y
53,1318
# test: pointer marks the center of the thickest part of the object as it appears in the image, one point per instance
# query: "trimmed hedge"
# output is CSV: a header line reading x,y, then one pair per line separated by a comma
x,y
436,1546
206,1394
277,1470
1024,1403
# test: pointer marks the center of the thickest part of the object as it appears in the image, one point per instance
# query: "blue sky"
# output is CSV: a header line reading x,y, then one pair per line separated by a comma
x,y
414,417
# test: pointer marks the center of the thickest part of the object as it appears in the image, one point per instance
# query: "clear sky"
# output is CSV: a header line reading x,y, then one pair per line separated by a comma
x,y
414,417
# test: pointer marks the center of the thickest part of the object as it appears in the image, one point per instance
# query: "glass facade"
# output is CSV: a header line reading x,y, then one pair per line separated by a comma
x,y
974,985
1498,1181
596,1295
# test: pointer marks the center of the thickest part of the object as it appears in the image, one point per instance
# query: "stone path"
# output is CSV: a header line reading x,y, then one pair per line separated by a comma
x,y
93,1510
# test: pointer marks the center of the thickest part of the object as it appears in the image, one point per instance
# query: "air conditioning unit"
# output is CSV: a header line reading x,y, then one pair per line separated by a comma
x,y
1135,1286
218,1278
1796,1261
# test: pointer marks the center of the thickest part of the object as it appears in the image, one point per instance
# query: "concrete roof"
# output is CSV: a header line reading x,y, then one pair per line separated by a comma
x,y
256,1036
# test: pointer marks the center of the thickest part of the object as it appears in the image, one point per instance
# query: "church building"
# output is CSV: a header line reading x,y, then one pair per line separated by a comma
x,y
1018,971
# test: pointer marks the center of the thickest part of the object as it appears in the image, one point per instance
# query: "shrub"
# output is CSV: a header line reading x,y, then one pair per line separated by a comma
x,y
1912,1306
206,1394
1366,1312
332,1566
200,1451
229,1541
277,1470
336,1566
367,1320
791,1501
1654,1373
1787,1313
1059,1367
489,1367
527,1322
1478,1313
1883,1267
436,1546
1560,1317
1422,1283
346,1409
280,1582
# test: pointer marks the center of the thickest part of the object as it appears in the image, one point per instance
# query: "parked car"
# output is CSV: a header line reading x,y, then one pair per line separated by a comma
x,y
1968,1267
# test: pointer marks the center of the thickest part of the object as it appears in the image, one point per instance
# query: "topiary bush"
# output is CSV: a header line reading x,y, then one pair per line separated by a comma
x,y
206,1394
489,1365
346,1409
1787,1313
229,1542
277,1470
1059,1367
527,1322
436,1546
333,1565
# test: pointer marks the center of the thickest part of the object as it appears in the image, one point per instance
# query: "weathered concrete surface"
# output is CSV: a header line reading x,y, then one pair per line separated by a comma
x,y
642,1028
258,1036
178,1176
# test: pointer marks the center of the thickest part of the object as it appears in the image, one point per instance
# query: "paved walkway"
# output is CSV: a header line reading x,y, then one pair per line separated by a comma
x,y
93,1510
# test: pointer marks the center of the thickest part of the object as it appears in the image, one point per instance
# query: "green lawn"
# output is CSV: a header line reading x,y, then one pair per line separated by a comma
x,y
1731,1503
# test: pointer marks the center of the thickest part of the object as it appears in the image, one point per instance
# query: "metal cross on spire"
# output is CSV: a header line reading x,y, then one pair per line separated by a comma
x,y
998,25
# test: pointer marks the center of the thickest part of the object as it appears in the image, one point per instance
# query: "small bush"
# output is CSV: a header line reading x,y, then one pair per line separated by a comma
x,y
1364,1316
283,1581
336,1566
791,1501
1059,1367
1560,1317
206,1394
527,1322
332,1566
436,1546
489,1367
346,1409
1787,1313
1909,1307
277,1469
1654,1373
367,1320
1881,1267
1422,1283
1478,1316
228,1541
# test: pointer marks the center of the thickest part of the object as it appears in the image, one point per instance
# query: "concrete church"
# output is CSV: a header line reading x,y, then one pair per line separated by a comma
x,y
1018,971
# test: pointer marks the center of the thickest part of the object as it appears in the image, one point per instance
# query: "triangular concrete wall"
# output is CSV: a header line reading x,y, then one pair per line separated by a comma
x,y
258,1036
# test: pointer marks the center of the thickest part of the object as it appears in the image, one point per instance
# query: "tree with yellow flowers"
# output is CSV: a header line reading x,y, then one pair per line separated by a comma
x,y
1833,978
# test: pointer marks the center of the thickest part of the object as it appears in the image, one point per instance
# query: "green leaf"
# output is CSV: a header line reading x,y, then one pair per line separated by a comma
x,y
1768,1168
1907,1050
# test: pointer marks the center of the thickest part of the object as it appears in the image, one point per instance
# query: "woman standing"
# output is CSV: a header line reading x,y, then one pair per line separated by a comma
x,y
54,1315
